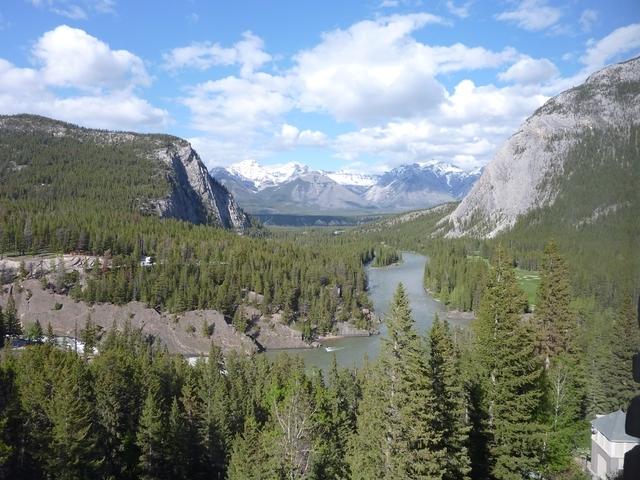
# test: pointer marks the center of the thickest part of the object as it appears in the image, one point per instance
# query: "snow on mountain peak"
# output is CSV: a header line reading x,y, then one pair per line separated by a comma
x,y
345,177
263,176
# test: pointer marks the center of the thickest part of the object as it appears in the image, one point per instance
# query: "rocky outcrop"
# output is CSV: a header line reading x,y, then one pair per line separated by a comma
x,y
195,195
527,171
184,334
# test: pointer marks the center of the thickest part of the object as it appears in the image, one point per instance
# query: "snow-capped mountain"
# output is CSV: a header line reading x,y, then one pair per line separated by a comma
x,y
420,184
344,177
266,176
294,187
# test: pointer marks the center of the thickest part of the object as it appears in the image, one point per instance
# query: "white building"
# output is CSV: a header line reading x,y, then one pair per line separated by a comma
x,y
609,443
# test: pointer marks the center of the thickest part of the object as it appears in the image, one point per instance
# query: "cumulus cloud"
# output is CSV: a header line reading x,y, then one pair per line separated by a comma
x,y
532,15
466,130
100,83
238,106
291,136
378,76
72,58
376,70
248,53
620,41
530,71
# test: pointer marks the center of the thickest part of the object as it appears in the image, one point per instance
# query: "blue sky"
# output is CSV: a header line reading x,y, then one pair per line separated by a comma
x,y
356,85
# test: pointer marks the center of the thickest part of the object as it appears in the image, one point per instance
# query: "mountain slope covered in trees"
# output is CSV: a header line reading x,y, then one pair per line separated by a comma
x,y
61,178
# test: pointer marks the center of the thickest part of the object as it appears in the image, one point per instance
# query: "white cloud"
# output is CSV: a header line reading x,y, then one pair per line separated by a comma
x,y
22,90
587,19
291,136
72,58
459,10
529,71
378,76
373,73
248,53
100,84
376,70
76,9
238,106
472,103
405,142
466,130
532,15
620,41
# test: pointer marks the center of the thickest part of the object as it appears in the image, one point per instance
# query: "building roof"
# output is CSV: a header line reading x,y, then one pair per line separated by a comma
x,y
612,427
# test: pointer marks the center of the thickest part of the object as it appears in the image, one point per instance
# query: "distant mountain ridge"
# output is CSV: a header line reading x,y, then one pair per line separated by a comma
x,y
297,188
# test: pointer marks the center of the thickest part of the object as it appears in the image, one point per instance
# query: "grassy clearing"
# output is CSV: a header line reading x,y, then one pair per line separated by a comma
x,y
529,281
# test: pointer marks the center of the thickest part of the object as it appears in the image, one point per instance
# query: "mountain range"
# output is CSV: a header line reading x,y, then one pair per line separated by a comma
x,y
297,188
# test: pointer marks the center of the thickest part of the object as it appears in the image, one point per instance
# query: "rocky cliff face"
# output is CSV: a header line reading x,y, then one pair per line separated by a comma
x,y
195,195
529,170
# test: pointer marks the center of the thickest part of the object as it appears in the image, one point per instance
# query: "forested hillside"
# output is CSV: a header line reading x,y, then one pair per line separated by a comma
x,y
65,187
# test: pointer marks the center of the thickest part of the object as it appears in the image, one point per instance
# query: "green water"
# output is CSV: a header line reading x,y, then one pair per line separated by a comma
x,y
382,284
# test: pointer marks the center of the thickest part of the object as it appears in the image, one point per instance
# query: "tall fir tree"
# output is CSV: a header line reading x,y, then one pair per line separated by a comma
x,y
11,322
250,445
556,321
449,402
365,456
564,374
153,463
511,373
409,445
625,341
74,450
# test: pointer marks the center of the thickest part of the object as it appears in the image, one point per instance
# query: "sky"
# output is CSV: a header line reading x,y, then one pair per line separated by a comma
x,y
357,85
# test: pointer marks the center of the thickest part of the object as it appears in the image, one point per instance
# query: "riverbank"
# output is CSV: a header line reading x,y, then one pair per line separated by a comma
x,y
383,281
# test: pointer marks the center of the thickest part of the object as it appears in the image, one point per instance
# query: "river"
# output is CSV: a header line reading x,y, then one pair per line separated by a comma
x,y
383,282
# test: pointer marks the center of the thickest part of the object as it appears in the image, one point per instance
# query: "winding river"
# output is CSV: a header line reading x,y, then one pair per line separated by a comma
x,y
383,282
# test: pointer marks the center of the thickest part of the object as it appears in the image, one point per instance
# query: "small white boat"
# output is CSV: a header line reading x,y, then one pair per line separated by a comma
x,y
333,349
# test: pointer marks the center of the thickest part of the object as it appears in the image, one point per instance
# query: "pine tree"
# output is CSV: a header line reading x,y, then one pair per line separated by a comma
x,y
34,331
74,440
249,458
625,340
553,314
89,336
212,412
177,443
11,422
396,438
564,376
11,322
51,338
151,439
449,401
511,374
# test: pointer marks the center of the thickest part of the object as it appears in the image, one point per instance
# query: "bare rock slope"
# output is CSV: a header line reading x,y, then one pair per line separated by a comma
x,y
184,334
527,170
